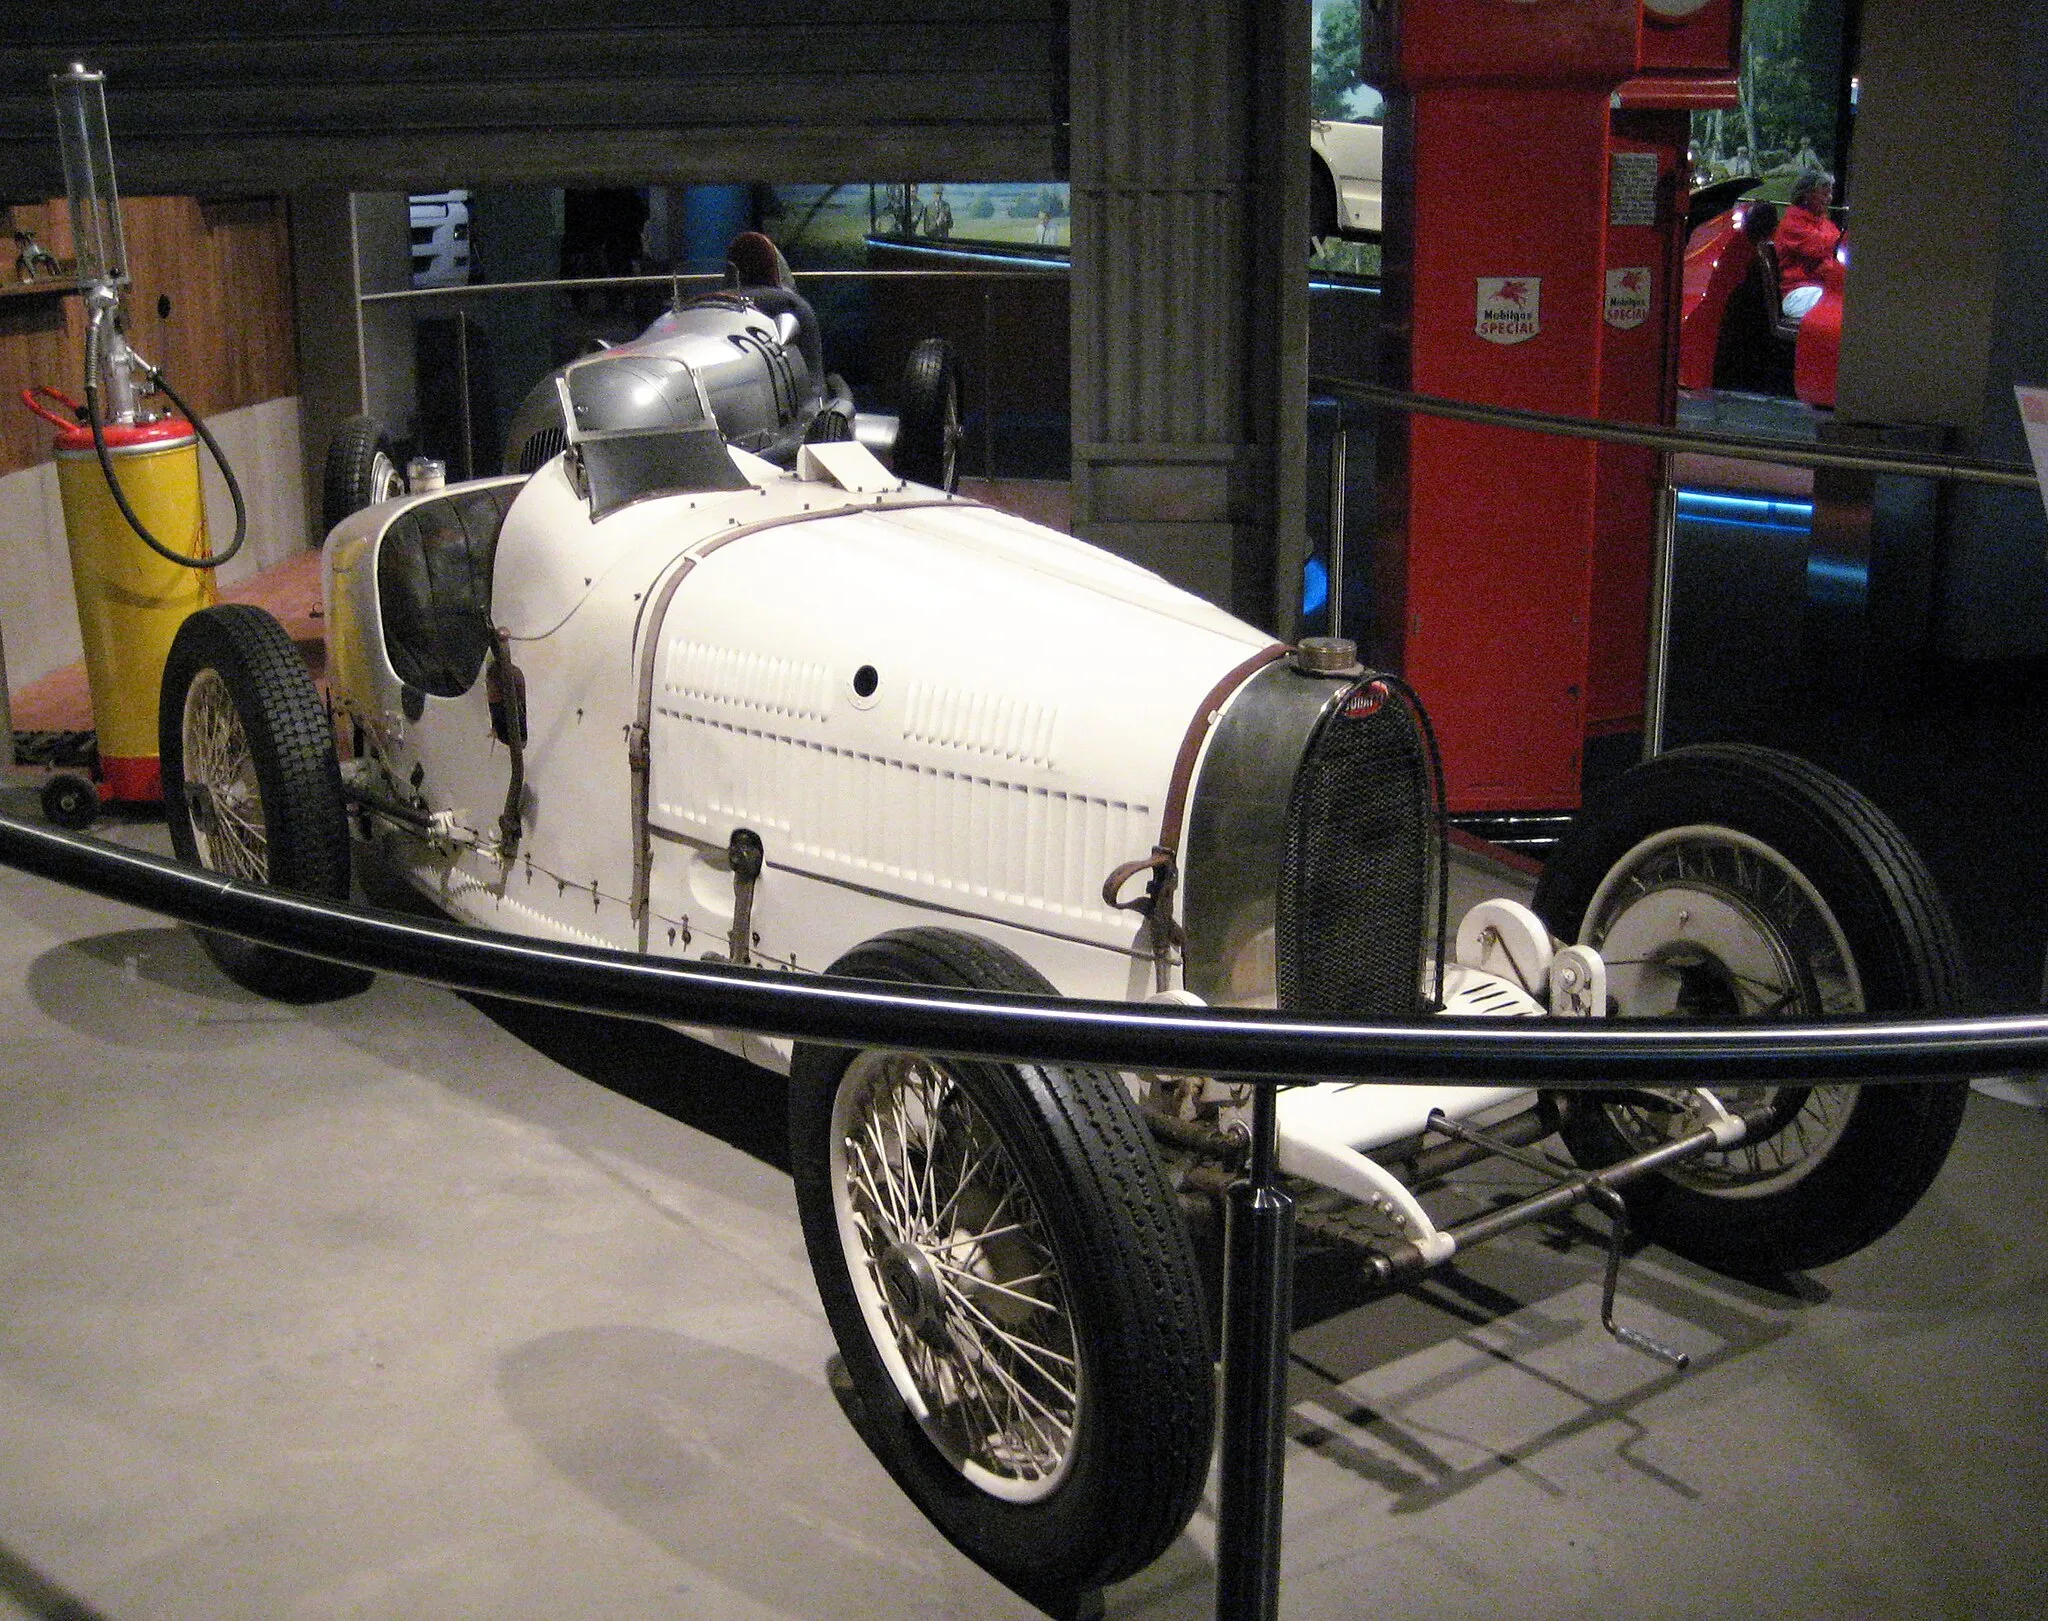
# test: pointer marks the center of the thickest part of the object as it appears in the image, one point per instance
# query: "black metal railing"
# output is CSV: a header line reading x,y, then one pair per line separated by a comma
x,y
1688,441
1256,1045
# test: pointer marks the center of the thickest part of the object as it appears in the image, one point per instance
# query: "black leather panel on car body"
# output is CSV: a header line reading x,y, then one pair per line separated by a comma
x,y
434,586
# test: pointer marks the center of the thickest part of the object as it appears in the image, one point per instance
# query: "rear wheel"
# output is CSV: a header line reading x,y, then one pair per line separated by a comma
x,y
252,787
928,428
362,469
1726,882
1011,1285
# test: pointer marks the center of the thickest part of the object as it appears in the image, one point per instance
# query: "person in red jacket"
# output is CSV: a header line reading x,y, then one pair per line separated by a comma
x,y
1806,240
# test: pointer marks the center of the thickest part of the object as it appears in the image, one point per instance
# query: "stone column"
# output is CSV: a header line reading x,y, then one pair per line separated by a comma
x,y
1944,311
1189,169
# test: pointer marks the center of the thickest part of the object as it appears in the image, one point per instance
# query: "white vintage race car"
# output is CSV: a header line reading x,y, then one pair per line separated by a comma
x,y
664,694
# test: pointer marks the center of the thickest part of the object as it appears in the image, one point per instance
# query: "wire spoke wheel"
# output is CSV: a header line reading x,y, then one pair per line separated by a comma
x,y
221,790
956,1274
1723,882
1708,922
252,787
1011,1286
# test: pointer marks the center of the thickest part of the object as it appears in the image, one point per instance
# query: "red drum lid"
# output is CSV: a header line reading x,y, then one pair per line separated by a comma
x,y
161,434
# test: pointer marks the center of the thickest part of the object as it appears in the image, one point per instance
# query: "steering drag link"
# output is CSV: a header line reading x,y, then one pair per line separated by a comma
x,y
1392,1265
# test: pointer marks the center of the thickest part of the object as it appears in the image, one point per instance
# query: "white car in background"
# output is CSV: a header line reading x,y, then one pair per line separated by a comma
x,y
1346,192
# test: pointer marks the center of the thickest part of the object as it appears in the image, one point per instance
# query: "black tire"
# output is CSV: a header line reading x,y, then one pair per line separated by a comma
x,y
1726,880
252,787
1102,1477
831,426
362,469
1322,202
70,800
928,425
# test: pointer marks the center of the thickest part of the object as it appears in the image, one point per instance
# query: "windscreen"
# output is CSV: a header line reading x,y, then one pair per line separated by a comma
x,y
638,427
631,393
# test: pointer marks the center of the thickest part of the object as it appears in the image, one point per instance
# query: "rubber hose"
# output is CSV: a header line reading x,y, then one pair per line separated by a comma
x,y
99,445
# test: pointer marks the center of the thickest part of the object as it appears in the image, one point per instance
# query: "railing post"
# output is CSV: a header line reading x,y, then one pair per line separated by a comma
x,y
1663,558
1258,1311
1340,449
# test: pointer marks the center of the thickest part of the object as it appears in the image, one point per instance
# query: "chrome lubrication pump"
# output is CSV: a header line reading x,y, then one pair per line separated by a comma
x,y
128,476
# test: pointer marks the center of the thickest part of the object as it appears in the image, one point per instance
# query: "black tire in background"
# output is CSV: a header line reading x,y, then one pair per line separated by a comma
x,y
1322,202
252,785
1003,1234
928,424
1725,880
361,470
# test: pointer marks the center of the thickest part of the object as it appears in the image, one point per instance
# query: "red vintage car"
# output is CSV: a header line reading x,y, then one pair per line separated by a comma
x,y
1732,332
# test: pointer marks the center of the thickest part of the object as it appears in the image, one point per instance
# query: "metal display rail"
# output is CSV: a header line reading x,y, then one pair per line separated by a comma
x,y
1668,442
1681,441
1269,1049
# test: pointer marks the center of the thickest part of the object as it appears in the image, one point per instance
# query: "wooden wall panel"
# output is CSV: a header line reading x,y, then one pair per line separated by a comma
x,y
221,95
228,340
38,343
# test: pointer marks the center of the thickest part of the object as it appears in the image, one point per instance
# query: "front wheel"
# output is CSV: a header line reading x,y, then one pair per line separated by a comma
x,y
1011,1286
252,787
928,428
1726,881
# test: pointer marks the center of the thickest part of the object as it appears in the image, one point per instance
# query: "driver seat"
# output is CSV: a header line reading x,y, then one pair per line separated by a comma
x,y
755,269
434,586
1784,327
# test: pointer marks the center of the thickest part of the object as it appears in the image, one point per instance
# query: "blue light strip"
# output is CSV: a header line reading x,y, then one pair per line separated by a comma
x,y
1756,524
1743,508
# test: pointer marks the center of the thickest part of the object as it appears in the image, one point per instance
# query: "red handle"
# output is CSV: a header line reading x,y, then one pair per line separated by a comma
x,y
28,398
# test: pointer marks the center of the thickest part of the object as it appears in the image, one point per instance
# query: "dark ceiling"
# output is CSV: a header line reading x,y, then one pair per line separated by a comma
x,y
251,96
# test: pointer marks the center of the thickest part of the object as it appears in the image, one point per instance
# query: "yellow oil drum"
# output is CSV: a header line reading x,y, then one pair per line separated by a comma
x,y
131,601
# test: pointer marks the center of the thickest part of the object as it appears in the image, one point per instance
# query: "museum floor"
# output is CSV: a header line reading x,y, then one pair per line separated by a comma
x,y
407,1308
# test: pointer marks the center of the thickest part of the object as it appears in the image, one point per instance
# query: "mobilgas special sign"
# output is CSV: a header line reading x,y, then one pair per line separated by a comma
x,y
1628,296
1510,308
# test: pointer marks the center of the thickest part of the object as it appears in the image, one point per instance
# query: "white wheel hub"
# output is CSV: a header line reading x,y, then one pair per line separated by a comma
x,y
1707,922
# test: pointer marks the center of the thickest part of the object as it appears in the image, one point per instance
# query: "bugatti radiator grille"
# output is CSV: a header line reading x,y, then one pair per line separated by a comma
x,y
1358,874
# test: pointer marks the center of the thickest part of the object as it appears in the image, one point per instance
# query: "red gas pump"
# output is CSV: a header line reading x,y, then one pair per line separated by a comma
x,y
1537,152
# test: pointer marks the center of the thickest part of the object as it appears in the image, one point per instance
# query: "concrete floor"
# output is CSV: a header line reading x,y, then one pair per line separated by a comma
x,y
378,1310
